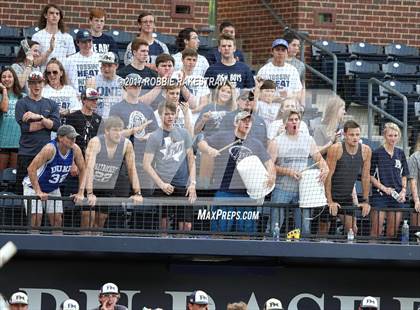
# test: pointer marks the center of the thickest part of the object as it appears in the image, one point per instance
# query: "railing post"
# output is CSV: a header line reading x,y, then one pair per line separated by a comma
x,y
370,114
335,69
405,125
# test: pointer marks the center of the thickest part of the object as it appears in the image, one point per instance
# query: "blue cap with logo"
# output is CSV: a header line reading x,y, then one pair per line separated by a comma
x,y
278,42
83,35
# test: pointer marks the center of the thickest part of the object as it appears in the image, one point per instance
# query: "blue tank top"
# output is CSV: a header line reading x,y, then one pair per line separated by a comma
x,y
53,173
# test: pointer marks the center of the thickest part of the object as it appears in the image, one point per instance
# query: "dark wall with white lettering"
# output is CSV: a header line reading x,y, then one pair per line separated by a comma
x,y
160,283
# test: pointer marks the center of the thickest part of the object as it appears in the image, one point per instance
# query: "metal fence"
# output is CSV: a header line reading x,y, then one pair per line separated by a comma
x,y
208,218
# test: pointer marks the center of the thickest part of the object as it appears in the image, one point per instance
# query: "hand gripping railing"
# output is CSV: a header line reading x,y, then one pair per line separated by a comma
x,y
304,38
381,111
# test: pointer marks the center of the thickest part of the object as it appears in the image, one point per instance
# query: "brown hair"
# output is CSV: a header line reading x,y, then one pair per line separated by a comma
x,y
113,122
225,36
137,42
21,55
167,105
144,14
268,84
42,22
290,113
63,78
164,58
17,90
189,52
96,13
350,124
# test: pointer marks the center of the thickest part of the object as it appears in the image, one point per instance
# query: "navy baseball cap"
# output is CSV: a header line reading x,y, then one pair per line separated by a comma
x,y
84,35
278,42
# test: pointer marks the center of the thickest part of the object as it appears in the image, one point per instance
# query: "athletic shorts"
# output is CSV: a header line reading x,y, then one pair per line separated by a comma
x,y
37,206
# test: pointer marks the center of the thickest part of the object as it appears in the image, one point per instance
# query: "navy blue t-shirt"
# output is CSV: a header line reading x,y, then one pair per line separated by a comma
x,y
239,74
390,169
214,56
258,129
103,44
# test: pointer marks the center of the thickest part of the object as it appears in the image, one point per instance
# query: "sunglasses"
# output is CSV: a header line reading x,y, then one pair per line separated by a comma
x,y
53,72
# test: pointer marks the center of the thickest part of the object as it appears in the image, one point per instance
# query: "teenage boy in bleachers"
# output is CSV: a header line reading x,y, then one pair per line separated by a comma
x,y
102,43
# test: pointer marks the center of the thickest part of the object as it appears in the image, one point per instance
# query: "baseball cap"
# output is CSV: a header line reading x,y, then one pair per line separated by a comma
x,y
278,42
133,79
109,58
90,93
83,35
198,297
246,95
35,76
109,288
68,131
242,115
70,304
18,298
369,302
273,304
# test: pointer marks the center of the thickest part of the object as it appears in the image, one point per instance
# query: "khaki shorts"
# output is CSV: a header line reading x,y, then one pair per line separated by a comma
x,y
37,206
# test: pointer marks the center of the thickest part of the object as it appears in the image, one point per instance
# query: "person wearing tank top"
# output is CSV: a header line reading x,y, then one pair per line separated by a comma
x,y
290,152
105,157
346,160
48,171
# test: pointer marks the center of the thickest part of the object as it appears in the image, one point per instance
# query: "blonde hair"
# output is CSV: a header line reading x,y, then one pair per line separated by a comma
x,y
231,104
330,117
391,126
283,103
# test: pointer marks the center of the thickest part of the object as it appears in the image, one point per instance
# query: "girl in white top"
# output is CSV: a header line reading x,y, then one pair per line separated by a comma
x,y
188,38
53,39
58,90
330,129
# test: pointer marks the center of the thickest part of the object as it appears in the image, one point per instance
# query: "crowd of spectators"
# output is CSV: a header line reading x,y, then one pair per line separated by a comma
x,y
173,125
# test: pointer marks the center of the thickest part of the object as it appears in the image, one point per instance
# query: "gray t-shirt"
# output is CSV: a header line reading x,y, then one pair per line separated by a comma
x,y
300,67
414,168
31,143
110,92
293,153
218,112
170,151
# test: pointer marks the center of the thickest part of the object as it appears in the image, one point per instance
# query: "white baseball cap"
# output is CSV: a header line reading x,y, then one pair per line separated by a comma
x,y
70,304
369,302
18,298
109,288
198,297
273,304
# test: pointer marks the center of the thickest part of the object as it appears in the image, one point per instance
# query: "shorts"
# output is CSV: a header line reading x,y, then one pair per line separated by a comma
x,y
8,151
37,206
386,201
182,213
325,215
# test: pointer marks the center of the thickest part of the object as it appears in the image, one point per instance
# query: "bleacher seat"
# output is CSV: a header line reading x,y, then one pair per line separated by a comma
x,y
394,105
402,53
169,40
30,31
401,71
324,63
122,38
11,211
9,42
366,51
358,73
8,179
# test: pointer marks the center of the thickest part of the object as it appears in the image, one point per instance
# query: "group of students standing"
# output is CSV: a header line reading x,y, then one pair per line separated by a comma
x,y
164,125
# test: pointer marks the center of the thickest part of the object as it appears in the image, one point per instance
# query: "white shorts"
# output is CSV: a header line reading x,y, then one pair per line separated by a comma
x,y
53,206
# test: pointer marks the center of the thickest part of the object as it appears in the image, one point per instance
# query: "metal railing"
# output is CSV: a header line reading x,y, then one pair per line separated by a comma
x,y
241,219
372,107
304,38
